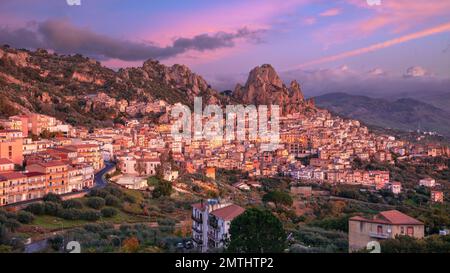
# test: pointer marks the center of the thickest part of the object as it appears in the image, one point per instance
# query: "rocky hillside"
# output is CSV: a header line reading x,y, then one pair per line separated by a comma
x,y
265,87
402,114
79,90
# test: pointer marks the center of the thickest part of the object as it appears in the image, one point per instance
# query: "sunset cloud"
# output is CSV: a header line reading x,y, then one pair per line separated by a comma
x,y
379,46
331,12
64,37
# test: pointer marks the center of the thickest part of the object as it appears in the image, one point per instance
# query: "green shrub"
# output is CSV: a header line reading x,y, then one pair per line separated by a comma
x,y
93,228
25,217
70,214
72,204
12,225
52,208
130,199
91,215
96,202
36,208
112,201
109,212
51,197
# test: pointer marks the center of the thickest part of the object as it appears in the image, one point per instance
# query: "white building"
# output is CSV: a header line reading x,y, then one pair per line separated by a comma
x,y
427,182
211,223
396,187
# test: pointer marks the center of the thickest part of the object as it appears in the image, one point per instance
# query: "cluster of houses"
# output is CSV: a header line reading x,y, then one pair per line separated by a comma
x,y
31,167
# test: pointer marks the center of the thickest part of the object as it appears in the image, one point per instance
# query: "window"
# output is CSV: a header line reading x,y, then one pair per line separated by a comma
x,y
361,226
410,231
402,230
380,229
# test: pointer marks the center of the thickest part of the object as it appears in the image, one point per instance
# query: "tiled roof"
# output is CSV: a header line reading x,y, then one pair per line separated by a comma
x,y
228,213
5,161
392,217
12,175
396,217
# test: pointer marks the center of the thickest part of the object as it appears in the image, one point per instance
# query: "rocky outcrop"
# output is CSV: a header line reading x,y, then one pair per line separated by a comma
x,y
38,79
265,87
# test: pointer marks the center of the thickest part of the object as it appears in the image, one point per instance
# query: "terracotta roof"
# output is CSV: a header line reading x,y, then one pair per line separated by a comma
x,y
51,163
32,174
199,206
396,217
391,217
228,213
5,161
12,175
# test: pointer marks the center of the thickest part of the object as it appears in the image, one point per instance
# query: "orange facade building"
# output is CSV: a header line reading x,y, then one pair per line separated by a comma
x,y
12,149
56,175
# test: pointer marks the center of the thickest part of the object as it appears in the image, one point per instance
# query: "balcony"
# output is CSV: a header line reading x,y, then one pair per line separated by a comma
x,y
197,229
197,241
212,237
379,235
197,219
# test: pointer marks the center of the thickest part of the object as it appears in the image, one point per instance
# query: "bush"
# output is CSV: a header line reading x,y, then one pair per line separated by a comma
x,y
25,217
96,202
93,228
130,199
52,208
112,201
164,188
36,208
109,212
278,197
90,215
12,224
72,204
98,193
56,243
70,214
51,197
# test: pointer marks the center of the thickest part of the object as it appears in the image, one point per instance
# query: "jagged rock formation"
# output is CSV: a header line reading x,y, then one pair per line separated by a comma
x,y
265,87
69,86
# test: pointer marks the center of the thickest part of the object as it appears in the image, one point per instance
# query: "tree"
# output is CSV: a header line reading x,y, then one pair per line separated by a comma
x,y
256,231
51,197
163,188
140,167
279,198
131,245
95,202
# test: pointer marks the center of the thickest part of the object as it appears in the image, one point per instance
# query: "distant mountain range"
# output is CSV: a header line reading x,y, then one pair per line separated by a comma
x,y
403,114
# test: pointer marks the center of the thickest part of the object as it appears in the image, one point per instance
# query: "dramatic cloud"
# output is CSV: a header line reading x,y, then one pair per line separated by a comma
x,y
63,37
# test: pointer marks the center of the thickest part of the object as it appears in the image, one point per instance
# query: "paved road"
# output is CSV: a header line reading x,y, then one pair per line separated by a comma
x,y
99,179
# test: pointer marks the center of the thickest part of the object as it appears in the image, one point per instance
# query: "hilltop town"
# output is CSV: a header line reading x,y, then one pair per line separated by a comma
x,y
322,161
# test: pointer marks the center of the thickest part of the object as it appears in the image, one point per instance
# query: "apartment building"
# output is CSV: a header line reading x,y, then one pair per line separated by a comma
x,y
437,196
56,175
81,176
11,149
38,123
385,225
211,223
427,182
88,153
